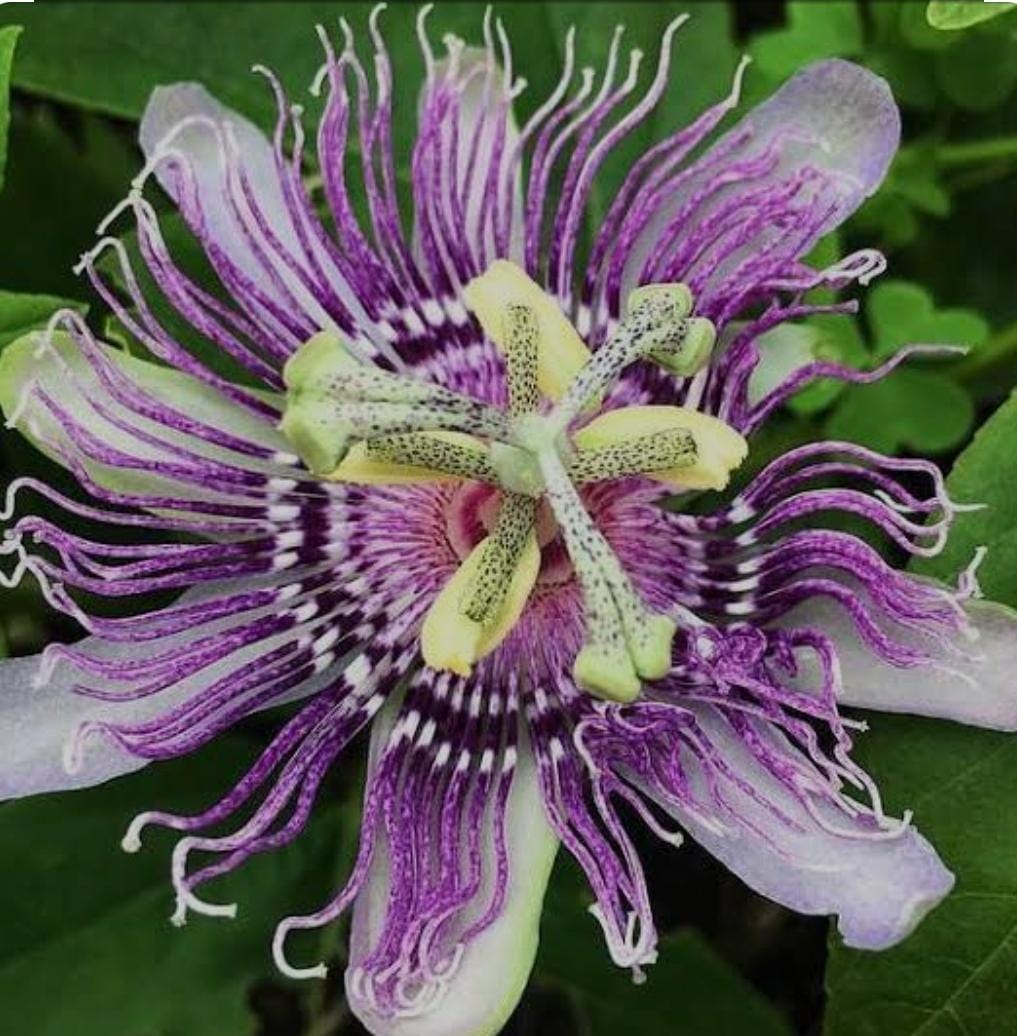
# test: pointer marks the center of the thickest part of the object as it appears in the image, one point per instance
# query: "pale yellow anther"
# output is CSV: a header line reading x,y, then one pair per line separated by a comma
x,y
449,639
719,448
361,469
561,352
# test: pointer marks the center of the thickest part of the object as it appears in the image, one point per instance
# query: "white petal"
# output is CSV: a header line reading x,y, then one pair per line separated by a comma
x,y
782,351
60,368
495,966
878,888
39,718
184,120
971,681
37,723
172,120
834,117
840,118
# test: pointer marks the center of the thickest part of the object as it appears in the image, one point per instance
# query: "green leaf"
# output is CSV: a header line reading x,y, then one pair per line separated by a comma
x,y
688,980
902,313
914,410
86,919
8,39
909,73
954,975
831,29
837,339
108,56
66,171
962,14
913,188
980,72
985,473
916,31
993,366
915,177
20,314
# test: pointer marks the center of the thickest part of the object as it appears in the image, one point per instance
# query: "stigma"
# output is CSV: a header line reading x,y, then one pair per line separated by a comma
x,y
354,423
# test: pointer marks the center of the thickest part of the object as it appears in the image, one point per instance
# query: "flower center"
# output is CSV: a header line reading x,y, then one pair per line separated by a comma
x,y
472,513
355,423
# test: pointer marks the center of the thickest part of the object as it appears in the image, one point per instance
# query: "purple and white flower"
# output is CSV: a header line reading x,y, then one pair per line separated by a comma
x,y
414,482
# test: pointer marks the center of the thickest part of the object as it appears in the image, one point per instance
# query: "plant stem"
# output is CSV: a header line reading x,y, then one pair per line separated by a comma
x,y
973,152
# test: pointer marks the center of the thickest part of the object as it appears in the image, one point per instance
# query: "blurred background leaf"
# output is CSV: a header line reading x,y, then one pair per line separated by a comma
x,y
917,408
813,31
8,40
985,473
66,171
689,980
83,914
20,314
962,14
107,57
908,411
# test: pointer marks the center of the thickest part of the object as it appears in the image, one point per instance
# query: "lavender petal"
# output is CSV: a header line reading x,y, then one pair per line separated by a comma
x,y
964,674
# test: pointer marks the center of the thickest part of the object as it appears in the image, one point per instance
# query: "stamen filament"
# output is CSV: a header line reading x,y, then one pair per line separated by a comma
x,y
658,326
323,367
449,638
624,640
371,419
333,400
719,448
323,429
560,353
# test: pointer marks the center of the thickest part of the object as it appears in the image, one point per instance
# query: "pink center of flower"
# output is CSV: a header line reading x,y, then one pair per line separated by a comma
x,y
471,514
